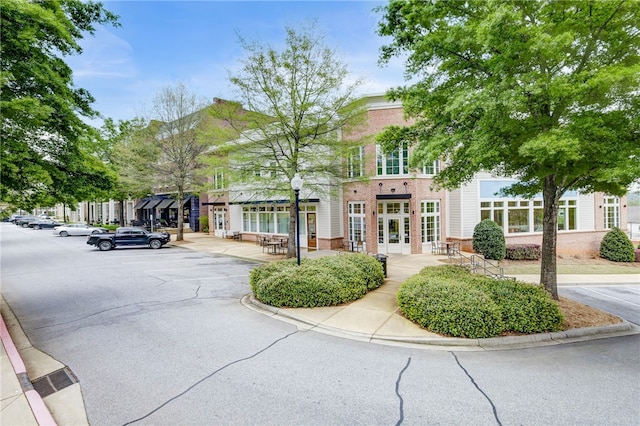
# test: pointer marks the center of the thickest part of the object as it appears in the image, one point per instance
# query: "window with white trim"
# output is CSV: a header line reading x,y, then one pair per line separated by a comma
x,y
432,169
357,221
430,220
611,212
218,179
355,162
268,219
395,162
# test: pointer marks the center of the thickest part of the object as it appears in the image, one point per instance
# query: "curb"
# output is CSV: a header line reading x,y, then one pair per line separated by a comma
x,y
450,343
40,411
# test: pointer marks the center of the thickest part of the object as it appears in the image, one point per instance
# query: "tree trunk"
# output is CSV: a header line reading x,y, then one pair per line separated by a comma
x,y
548,270
180,230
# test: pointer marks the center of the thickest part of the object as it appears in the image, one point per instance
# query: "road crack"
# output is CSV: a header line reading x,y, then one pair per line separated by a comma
x,y
207,377
495,410
401,419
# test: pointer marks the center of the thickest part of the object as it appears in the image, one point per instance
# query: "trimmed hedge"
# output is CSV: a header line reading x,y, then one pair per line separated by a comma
x,y
451,300
617,246
323,281
523,252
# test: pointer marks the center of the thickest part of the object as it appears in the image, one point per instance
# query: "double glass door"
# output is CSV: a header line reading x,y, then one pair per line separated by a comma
x,y
394,230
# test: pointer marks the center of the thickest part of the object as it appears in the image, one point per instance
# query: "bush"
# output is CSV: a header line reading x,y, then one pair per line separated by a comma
x,y
451,300
488,239
442,306
204,223
617,246
324,281
523,252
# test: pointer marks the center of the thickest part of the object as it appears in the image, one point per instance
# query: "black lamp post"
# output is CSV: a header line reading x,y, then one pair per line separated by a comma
x,y
296,185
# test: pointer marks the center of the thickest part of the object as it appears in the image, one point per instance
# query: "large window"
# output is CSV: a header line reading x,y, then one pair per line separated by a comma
x,y
611,212
517,215
268,219
527,215
355,162
430,215
395,162
357,222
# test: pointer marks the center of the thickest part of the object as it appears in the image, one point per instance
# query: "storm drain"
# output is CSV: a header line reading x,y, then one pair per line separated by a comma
x,y
53,382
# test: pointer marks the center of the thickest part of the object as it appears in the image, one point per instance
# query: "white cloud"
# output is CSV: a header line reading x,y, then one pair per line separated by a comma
x,y
104,55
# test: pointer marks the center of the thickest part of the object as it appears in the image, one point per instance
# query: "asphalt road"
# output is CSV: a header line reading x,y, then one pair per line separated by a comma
x,y
160,337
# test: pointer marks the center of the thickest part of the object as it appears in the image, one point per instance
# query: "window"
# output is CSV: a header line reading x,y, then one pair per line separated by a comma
x,y
355,162
266,222
566,215
432,169
611,212
527,215
357,222
395,162
430,212
218,179
282,219
268,219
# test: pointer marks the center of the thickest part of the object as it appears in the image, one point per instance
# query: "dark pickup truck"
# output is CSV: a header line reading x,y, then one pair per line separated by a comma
x,y
129,237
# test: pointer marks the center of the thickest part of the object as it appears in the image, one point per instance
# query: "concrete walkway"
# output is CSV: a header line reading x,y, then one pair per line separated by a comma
x,y
374,318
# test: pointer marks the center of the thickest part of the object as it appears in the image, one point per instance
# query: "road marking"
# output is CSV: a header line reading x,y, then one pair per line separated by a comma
x,y
612,297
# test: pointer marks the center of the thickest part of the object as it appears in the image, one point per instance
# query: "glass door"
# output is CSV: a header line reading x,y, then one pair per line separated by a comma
x,y
394,227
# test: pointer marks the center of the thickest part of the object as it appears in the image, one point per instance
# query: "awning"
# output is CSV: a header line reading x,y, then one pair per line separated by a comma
x,y
165,203
153,203
141,203
393,196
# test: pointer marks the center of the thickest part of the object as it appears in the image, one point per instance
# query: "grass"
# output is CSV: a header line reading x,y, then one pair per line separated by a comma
x,y
572,265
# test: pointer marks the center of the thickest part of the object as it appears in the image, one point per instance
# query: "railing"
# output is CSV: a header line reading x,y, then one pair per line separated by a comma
x,y
477,264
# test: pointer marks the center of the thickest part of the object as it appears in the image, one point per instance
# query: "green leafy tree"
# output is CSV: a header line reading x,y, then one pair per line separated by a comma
x,y
299,100
44,140
546,91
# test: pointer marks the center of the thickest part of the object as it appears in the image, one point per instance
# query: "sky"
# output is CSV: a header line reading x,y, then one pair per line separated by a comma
x,y
164,43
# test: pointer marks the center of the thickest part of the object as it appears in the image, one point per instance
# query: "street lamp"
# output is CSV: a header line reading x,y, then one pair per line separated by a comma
x,y
296,185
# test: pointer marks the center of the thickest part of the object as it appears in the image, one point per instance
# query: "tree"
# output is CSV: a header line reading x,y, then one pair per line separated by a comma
x,y
546,91
44,141
179,143
299,101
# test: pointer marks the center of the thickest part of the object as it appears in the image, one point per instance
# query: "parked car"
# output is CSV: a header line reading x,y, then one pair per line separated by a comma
x,y
78,229
44,224
129,236
25,220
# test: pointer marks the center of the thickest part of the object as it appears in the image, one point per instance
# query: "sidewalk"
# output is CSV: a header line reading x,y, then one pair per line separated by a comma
x,y
374,318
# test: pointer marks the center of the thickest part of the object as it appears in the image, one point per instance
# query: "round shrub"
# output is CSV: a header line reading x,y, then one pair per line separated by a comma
x,y
443,306
526,308
617,246
488,239
323,281
452,300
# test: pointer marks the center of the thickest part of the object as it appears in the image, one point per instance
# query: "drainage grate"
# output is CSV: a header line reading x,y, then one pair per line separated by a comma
x,y
53,382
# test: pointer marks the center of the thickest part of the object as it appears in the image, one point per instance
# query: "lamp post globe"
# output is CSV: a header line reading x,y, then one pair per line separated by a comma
x,y
296,185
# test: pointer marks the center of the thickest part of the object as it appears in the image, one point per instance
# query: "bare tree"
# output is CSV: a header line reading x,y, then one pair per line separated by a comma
x,y
299,100
179,142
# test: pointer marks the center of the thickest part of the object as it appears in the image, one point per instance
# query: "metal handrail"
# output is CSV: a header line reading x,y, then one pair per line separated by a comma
x,y
478,264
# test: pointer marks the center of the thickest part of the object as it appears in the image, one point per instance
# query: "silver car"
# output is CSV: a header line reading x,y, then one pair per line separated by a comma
x,y
77,229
